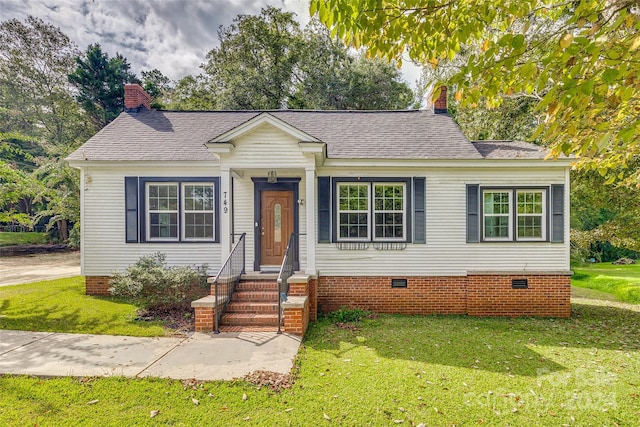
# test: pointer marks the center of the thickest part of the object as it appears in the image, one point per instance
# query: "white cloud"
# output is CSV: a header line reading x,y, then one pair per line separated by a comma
x,y
173,36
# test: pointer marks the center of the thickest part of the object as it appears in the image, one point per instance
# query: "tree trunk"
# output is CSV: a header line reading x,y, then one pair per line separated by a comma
x,y
63,232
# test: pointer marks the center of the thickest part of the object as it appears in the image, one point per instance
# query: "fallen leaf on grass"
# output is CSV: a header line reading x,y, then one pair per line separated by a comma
x,y
154,413
244,396
195,401
288,410
327,417
93,402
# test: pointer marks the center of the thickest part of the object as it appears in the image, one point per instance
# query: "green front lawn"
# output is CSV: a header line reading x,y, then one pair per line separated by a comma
x,y
393,370
61,306
31,238
621,281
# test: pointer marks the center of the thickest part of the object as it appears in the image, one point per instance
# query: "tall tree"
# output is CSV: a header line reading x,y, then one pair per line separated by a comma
x,y
581,59
35,97
267,62
40,121
328,77
158,86
100,82
192,93
253,66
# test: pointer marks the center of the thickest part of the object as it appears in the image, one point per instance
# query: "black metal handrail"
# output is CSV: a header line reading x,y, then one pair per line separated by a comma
x,y
287,268
225,282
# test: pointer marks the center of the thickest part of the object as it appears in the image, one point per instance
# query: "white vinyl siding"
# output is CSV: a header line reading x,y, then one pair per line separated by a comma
x,y
103,222
446,252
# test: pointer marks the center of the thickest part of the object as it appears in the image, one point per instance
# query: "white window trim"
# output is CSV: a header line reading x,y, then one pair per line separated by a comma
x,y
368,211
149,212
484,216
185,212
404,212
543,215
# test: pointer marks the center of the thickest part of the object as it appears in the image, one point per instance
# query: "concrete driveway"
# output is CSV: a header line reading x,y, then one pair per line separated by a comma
x,y
201,356
16,270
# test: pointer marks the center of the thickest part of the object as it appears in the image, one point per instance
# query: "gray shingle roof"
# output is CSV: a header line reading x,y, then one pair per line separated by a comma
x,y
175,135
510,150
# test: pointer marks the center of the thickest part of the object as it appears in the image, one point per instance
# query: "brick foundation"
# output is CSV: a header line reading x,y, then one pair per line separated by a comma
x,y
548,295
492,295
97,285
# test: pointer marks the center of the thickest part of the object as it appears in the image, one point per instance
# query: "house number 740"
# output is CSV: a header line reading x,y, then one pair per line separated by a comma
x,y
225,202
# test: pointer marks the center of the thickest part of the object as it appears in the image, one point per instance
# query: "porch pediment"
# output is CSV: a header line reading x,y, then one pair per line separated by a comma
x,y
266,140
259,120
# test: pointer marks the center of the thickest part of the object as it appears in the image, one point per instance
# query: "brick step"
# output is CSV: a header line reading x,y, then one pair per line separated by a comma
x,y
255,285
253,307
242,319
255,296
248,328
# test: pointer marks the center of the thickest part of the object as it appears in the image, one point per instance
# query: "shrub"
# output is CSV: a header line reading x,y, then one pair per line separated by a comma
x,y
150,284
348,315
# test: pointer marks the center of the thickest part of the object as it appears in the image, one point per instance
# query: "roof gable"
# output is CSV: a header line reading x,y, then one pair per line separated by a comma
x,y
259,120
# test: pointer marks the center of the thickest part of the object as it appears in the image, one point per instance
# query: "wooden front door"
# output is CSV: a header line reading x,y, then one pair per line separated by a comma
x,y
276,225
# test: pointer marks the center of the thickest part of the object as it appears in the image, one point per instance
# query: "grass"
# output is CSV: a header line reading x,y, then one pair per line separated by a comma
x,y
61,306
391,370
621,281
27,238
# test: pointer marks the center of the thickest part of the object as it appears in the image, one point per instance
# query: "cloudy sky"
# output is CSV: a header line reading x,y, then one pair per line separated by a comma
x,y
170,35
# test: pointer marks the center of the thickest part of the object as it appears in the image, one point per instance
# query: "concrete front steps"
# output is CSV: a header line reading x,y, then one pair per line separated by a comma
x,y
253,306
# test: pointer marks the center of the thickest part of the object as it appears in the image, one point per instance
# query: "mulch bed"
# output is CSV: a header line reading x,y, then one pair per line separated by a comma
x,y
178,320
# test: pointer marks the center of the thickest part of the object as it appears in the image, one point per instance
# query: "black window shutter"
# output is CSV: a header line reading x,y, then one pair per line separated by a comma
x,y
324,209
131,208
419,215
557,213
473,213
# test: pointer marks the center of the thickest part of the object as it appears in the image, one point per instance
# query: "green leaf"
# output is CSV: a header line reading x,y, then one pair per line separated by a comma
x,y
609,75
517,42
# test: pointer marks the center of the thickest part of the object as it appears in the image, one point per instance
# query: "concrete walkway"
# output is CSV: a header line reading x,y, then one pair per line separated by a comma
x,y
200,356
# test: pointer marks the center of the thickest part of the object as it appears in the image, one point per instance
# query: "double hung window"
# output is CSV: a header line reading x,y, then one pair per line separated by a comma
x,y
372,211
500,208
180,211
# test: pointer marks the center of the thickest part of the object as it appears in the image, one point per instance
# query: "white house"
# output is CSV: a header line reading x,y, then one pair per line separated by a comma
x,y
394,211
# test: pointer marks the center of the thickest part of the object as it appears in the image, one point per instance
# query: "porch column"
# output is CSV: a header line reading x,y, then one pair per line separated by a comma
x,y
310,181
225,212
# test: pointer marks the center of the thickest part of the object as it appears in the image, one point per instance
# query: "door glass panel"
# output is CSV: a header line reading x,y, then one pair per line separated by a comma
x,y
277,223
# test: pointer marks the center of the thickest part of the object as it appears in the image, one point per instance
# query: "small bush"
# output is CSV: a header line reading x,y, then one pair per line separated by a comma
x,y
150,284
348,315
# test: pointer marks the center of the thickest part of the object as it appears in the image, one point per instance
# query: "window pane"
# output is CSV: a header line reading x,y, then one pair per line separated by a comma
x,y
496,226
530,202
496,202
530,226
163,225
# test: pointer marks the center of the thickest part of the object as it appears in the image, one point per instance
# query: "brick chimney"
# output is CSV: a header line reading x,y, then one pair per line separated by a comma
x,y
440,104
135,97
